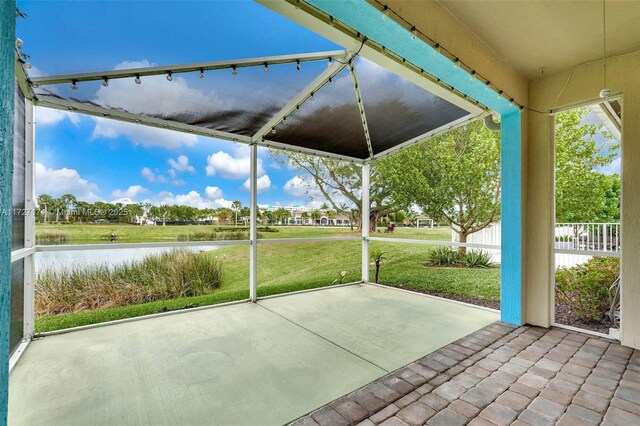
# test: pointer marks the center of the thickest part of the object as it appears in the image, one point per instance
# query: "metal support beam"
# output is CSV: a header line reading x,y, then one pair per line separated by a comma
x,y
29,223
363,116
364,220
177,69
97,111
337,66
253,225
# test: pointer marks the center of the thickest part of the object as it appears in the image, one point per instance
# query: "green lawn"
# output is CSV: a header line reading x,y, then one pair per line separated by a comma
x,y
286,267
84,234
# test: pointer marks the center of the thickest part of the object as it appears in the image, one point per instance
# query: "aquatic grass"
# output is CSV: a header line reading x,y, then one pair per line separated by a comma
x,y
51,237
173,274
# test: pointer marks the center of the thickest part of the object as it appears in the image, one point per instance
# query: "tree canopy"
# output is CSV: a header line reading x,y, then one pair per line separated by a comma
x,y
453,177
340,183
584,194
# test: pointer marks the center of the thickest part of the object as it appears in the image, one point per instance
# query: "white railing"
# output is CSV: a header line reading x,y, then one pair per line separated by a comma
x,y
588,236
575,243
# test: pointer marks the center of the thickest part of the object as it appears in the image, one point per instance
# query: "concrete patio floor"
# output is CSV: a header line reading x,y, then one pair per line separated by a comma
x,y
251,364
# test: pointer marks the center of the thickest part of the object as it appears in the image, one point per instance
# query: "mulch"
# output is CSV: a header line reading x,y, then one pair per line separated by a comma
x,y
564,315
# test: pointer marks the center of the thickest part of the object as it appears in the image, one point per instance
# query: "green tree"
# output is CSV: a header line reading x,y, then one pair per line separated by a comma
x,y
45,204
68,202
316,215
338,181
583,194
454,177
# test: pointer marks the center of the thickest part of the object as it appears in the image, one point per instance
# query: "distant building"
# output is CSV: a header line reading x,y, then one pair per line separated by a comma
x,y
424,221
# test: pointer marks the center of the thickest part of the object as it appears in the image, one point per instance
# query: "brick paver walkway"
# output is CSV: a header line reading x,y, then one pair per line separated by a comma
x,y
502,375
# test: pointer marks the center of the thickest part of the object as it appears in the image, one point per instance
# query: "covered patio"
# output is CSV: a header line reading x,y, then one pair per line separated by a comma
x,y
264,363
349,353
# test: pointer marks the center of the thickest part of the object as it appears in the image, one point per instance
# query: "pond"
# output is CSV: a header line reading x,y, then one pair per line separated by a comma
x,y
59,260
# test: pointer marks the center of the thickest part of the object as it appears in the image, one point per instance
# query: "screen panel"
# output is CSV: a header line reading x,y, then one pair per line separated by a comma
x,y
17,304
240,102
398,110
329,122
18,197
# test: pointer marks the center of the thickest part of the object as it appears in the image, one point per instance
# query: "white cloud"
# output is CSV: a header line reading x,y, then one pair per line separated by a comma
x,y
130,193
305,186
232,167
56,182
213,192
152,176
49,116
193,199
297,186
148,174
141,135
181,164
264,183
221,202
178,182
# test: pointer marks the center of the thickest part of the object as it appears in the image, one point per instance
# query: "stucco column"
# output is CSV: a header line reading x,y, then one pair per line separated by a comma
x,y
7,87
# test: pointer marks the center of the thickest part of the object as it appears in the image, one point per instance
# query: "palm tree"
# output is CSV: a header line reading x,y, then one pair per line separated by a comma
x,y
316,215
45,202
331,214
68,201
305,216
236,206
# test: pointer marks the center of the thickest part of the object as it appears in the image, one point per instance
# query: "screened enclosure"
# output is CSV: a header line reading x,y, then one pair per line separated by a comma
x,y
334,103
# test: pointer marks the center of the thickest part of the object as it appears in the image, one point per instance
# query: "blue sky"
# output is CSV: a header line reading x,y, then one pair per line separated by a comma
x,y
99,159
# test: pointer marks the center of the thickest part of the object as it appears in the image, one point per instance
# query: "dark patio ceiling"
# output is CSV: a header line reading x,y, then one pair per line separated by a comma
x,y
332,103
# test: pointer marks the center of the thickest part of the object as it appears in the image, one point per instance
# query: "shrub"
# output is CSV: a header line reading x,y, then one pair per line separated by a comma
x,y
476,259
585,288
443,256
51,237
168,275
214,235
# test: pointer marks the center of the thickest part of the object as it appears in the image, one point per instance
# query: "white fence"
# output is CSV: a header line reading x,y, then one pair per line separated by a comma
x,y
592,239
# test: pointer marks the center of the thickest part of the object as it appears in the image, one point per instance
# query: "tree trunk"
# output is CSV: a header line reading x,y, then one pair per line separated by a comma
x,y
373,222
462,236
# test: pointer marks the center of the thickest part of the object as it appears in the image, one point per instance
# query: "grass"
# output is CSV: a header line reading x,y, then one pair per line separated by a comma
x,y
51,237
84,234
176,273
403,265
286,267
214,235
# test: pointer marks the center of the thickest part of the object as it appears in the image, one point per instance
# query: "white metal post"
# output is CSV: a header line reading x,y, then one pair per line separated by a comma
x,y
253,225
30,222
364,220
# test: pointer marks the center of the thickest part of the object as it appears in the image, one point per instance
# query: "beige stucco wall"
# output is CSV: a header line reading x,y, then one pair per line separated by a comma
x,y
583,85
434,20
